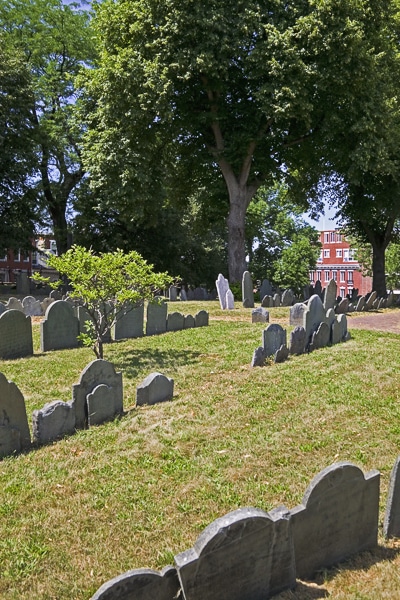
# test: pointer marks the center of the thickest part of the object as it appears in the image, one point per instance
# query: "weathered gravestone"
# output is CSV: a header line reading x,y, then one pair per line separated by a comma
x,y
55,420
281,354
201,319
265,289
55,295
14,428
287,298
32,307
267,302
175,321
260,315
222,286
156,317
321,337
45,304
14,304
258,359
155,388
245,555
129,323
247,290
141,584
229,300
22,282
274,336
189,322
296,314
370,300
318,289
391,523
15,335
101,405
173,293
277,300
183,295
297,342
313,316
60,328
343,307
96,373
330,294
338,518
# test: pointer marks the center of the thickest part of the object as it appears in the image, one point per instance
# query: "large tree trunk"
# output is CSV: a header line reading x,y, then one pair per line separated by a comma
x,y
378,269
236,239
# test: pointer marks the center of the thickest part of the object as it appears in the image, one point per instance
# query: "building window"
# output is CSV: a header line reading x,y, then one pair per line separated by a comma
x,y
320,257
327,253
338,237
350,276
326,238
342,276
332,237
17,257
327,275
342,292
3,258
338,253
312,275
318,275
334,275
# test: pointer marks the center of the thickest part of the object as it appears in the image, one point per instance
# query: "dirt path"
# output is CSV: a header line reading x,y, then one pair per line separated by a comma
x,y
379,321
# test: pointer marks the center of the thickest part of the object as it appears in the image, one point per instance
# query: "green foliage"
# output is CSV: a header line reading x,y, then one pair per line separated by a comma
x,y
392,261
107,285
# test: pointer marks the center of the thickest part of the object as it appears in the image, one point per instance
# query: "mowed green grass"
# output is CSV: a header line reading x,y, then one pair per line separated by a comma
x,y
135,492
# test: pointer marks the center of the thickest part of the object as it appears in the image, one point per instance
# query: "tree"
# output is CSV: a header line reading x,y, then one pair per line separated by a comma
x,y
56,46
217,91
107,285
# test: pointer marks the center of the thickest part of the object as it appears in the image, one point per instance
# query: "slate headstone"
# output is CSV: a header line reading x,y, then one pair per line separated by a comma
x,y
229,300
287,298
297,342
343,307
258,359
391,523
101,405
247,290
274,336
296,314
156,318
55,420
222,286
15,335
277,300
260,315
281,354
32,307
330,294
265,289
321,337
175,321
189,322
129,323
173,293
14,429
60,328
141,584
155,388
14,304
201,319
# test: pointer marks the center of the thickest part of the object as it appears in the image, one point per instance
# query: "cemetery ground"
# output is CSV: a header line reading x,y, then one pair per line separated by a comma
x,y
137,491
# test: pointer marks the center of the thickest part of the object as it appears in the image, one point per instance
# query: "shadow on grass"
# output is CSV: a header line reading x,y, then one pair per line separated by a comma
x,y
133,362
303,591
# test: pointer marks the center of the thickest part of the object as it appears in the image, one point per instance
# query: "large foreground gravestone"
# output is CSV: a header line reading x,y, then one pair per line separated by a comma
x,y
98,372
338,518
245,555
15,335
141,584
14,428
60,328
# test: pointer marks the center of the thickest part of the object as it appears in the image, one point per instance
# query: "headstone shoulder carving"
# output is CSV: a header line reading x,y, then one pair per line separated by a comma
x,y
141,584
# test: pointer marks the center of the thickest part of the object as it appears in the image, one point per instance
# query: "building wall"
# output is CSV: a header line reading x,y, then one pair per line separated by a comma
x,y
12,262
337,262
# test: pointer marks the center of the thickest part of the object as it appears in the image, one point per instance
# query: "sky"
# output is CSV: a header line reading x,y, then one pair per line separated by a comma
x,y
325,221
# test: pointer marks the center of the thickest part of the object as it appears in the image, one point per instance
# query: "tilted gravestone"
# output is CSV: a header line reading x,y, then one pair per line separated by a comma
x,y
32,307
337,518
245,555
155,388
281,354
247,290
175,321
60,328
55,420
343,307
156,317
201,319
313,316
141,584
15,335
321,337
229,300
94,374
267,301
14,428
277,300
391,523
370,300
297,342
129,323
287,298
274,336
222,286
14,304
258,359
360,304
330,294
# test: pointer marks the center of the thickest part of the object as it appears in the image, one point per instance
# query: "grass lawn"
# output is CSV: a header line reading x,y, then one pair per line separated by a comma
x,y
135,492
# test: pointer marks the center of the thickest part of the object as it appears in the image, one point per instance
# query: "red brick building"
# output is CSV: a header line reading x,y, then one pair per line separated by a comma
x,y
12,262
337,261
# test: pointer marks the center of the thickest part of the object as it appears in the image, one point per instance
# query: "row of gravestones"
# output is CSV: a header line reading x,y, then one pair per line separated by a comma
x,y
96,398
352,302
315,327
174,293
63,322
250,554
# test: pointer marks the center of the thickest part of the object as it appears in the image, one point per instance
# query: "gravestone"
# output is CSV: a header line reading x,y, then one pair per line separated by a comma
x,y
129,323
267,302
14,428
229,300
247,290
155,388
318,289
296,314
175,321
173,293
15,335
201,319
281,354
342,322
343,307
330,294
141,584
382,303
265,289
274,336
260,315
32,307
370,300
45,304
189,322
297,342
287,298
14,304
222,286
245,555
55,295
55,420
258,359
101,405
22,282
200,293
391,523
96,373
156,318
183,295
390,300
337,518
2,308
60,327
321,337
313,316
360,304
277,300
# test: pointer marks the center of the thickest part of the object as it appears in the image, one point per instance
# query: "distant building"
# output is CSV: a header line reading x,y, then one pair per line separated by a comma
x,y
337,261
14,262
